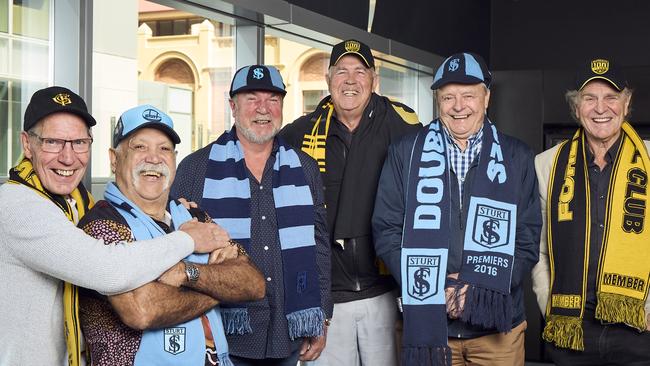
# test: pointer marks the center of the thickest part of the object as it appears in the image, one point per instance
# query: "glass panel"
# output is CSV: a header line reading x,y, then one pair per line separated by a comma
x,y
4,16
31,18
187,77
24,68
304,63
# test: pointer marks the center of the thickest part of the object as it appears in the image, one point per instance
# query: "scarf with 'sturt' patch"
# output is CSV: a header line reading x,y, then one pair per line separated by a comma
x,y
624,264
488,246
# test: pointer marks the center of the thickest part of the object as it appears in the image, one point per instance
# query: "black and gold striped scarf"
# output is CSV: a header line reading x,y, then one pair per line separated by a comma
x,y
24,174
624,264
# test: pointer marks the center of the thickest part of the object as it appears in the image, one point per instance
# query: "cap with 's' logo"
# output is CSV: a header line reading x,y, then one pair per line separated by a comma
x,y
257,77
462,68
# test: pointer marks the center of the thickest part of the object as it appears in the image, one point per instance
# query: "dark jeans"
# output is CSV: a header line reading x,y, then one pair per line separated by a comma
x,y
611,344
292,360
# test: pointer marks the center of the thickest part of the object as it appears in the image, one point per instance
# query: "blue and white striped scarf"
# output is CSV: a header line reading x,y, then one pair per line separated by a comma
x,y
187,340
226,197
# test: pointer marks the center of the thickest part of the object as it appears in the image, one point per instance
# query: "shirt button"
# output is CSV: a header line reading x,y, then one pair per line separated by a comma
x,y
268,279
602,197
601,226
266,247
261,187
263,217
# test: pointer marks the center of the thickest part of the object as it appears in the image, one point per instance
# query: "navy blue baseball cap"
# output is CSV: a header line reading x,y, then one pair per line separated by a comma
x,y
257,77
144,116
462,68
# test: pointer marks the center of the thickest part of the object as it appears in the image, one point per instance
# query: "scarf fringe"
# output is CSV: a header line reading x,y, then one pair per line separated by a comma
x,y
236,321
426,356
224,359
564,332
306,323
487,308
617,308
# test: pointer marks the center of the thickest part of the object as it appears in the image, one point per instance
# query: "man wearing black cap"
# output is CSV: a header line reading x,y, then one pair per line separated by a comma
x,y
457,221
592,278
40,247
179,308
269,197
348,135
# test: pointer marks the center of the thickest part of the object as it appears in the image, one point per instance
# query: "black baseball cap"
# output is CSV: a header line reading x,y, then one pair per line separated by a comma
x,y
462,68
257,77
352,47
600,68
52,100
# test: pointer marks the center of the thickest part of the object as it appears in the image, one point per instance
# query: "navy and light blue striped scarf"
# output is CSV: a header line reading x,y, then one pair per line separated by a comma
x,y
184,343
488,249
226,197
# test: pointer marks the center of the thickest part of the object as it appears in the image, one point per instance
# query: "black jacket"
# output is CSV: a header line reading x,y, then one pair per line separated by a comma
x,y
388,220
353,164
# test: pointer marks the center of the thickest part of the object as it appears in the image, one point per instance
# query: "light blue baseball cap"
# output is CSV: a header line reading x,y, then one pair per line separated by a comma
x,y
144,116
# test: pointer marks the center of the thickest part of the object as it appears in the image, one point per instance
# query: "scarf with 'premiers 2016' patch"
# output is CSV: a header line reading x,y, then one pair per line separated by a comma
x,y
488,250
227,196
624,265
183,343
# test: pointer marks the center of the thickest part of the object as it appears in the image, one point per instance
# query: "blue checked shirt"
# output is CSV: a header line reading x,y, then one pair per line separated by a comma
x,y
459,160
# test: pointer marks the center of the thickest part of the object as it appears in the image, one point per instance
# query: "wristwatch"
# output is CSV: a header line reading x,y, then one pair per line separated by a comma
x,y
192,272
328,322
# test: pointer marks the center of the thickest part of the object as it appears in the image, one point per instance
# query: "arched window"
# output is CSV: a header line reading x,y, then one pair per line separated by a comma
x,y
175,71
312,81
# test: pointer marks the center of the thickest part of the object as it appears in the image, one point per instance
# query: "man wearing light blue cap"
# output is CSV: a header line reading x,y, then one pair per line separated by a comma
x,y
174,320
269,197
458,221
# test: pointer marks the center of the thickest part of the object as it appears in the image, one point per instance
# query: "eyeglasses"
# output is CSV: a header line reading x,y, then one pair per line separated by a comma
x,y
53,145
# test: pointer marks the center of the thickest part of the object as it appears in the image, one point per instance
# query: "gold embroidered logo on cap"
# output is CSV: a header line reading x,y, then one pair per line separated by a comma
x,y
352,46
63,99
599,66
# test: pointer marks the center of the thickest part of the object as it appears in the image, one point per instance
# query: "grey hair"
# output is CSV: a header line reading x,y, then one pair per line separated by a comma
x,y
572,97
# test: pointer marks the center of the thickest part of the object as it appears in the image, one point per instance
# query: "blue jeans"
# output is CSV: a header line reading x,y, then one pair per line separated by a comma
x,y
292,360
610,344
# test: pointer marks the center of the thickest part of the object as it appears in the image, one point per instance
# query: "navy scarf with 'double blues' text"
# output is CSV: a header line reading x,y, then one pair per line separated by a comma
x,y
488,249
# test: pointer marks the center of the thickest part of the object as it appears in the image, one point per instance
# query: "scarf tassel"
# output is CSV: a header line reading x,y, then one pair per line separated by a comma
x,y
224,359
617,308
236,321
426,356
306,323
564,332
488,308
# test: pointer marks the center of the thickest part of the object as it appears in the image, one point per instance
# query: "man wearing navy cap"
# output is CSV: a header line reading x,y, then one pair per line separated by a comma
x,y
592,277
269,197
457,221
175,319
348,134
44,256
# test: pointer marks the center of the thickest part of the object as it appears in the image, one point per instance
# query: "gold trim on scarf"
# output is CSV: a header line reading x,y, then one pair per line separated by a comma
x,y
624,263
25,175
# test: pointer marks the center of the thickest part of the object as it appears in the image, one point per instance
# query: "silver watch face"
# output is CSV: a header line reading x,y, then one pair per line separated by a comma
x,y
192,272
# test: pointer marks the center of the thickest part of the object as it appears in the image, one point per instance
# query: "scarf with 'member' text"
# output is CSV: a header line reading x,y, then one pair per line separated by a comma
x,y
624,264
